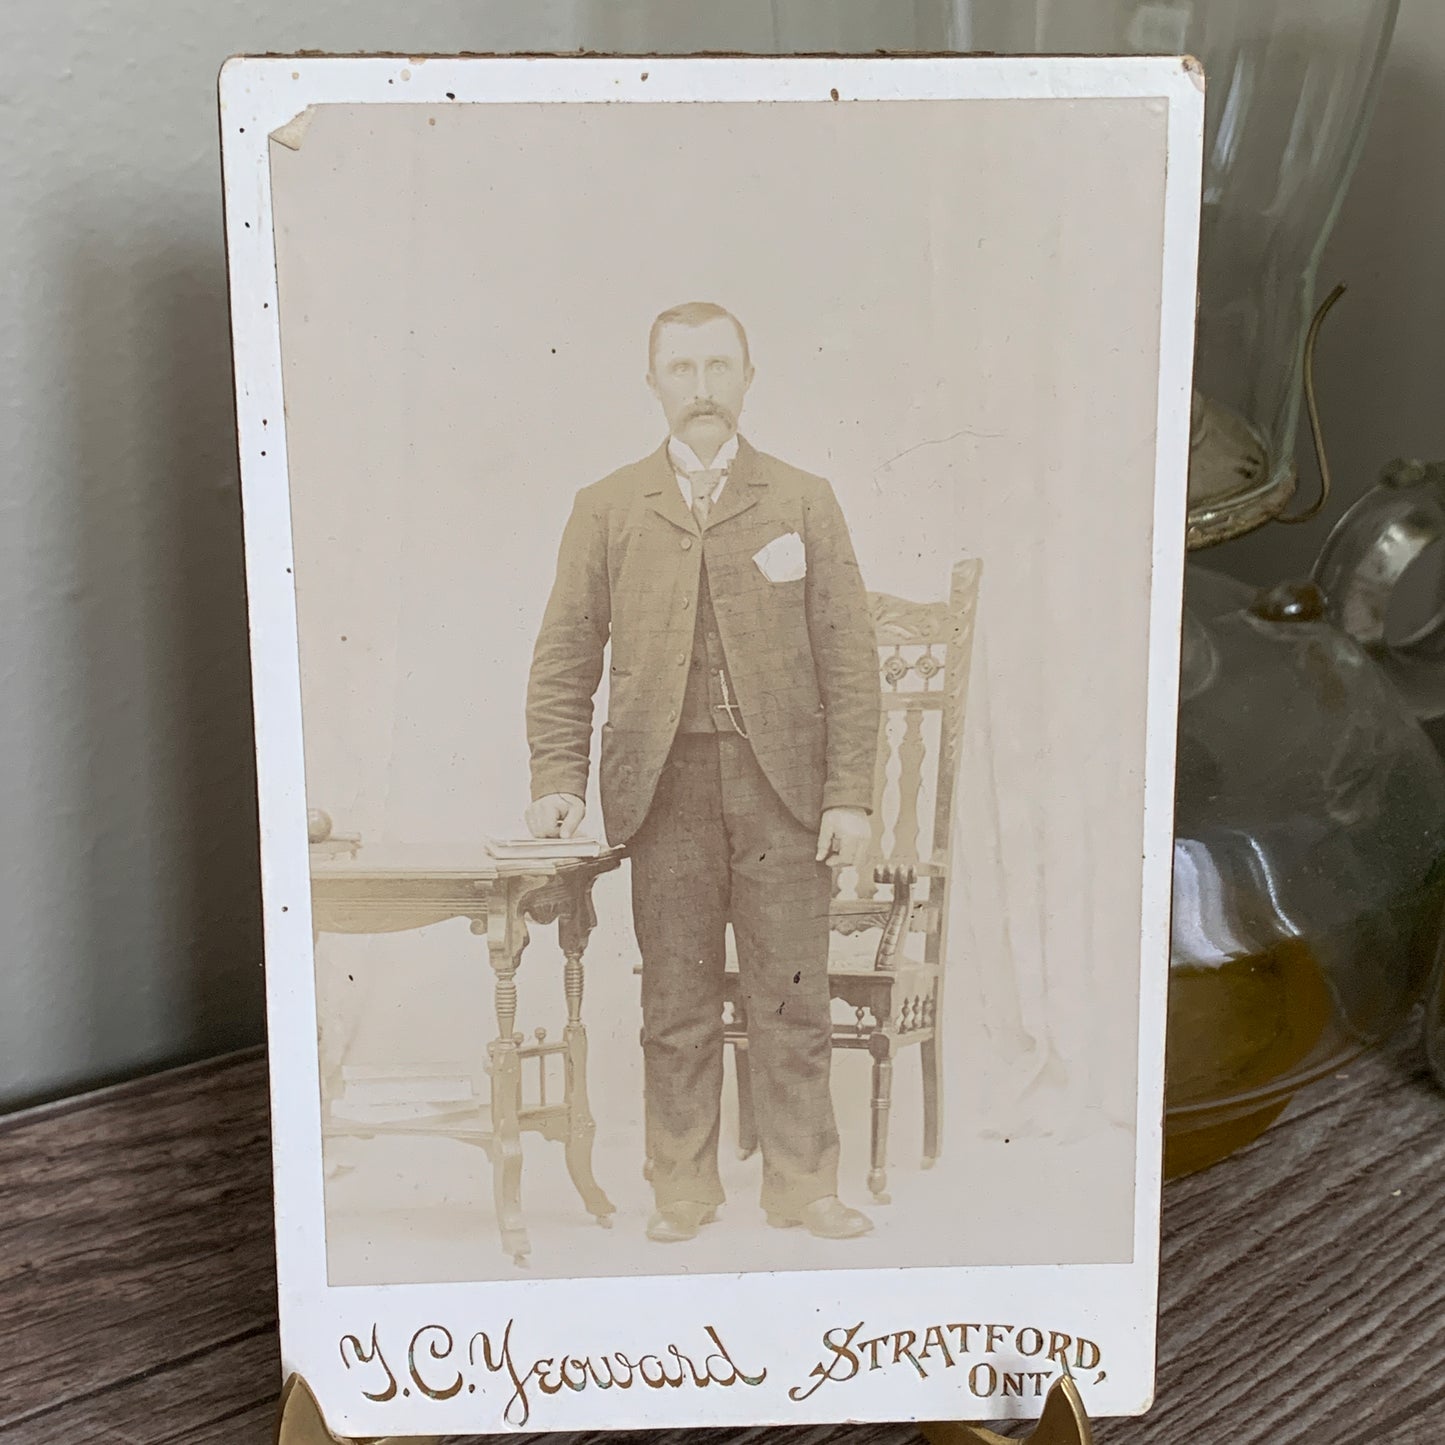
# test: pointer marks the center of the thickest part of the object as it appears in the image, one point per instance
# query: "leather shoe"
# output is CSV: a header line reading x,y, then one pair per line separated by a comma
x,y
826,1218
674,1223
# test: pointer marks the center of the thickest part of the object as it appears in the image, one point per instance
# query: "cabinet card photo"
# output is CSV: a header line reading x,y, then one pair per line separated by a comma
x,y
714,537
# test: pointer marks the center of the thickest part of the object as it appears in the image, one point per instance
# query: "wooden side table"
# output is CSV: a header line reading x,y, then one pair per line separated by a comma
x,y
500,898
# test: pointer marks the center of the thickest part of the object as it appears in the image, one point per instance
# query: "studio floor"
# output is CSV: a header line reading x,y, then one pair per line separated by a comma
x,y
419,1210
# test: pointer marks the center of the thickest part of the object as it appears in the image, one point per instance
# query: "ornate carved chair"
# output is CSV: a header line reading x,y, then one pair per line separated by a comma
x,y
901,886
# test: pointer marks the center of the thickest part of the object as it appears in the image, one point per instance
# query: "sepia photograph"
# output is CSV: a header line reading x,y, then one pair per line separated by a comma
x,y
721,706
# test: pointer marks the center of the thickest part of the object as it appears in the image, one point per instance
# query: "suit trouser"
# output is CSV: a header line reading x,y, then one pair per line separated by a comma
x,y
717,847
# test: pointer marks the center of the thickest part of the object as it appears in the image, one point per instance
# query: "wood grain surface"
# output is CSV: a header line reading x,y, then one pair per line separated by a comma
x,y
1303,1286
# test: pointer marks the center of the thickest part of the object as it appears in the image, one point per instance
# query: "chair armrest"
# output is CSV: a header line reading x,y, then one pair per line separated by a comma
x,y
929,869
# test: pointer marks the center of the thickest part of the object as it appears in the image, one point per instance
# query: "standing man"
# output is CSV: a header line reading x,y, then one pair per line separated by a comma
x,y
737,763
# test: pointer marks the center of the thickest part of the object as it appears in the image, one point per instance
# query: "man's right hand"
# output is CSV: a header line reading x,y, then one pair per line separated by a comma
x,y
557,815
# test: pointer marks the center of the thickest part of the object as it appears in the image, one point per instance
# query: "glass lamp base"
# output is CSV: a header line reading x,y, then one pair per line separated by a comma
x,y
1195,1141
1234,486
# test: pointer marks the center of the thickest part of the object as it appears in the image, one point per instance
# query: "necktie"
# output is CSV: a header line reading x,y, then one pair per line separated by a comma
x,y
704,484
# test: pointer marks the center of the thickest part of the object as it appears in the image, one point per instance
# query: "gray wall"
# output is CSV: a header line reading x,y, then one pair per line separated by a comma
x,y
127,830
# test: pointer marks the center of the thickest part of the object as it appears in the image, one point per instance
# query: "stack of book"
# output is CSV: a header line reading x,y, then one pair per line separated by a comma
x,y
543,850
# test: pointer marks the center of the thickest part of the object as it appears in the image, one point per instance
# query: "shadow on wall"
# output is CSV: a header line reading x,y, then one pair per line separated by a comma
x,y
168,943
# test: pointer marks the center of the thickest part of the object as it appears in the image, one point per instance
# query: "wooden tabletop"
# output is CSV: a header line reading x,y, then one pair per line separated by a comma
x,y
455,865
1303,1286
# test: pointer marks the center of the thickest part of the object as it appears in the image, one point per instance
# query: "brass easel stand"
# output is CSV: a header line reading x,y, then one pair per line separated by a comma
x,y
302,1423
1063,1422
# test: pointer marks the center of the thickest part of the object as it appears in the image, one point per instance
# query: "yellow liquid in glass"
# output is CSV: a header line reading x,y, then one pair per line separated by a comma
x,y
1237,1031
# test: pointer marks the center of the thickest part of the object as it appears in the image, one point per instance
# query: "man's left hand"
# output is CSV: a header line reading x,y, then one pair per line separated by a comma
x,y
842,836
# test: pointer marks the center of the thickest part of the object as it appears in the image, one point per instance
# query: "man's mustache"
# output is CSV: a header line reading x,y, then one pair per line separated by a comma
x,y
708,408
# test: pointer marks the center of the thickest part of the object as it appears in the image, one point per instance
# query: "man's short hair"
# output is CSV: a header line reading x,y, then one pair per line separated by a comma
x,y
694,313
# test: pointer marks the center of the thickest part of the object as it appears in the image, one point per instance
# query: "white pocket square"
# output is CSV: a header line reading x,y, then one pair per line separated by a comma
x,y
783,559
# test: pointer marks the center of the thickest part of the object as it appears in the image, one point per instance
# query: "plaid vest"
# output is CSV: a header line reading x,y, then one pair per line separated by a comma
x,y
702,703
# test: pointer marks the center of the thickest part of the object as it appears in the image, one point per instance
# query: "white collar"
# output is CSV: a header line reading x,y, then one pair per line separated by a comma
x,y
684,459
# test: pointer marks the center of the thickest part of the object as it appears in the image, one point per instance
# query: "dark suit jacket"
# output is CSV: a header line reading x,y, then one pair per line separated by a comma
x,y
801,654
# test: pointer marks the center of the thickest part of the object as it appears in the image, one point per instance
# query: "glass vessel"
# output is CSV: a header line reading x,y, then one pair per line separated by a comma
x,y
1309,856
1383,564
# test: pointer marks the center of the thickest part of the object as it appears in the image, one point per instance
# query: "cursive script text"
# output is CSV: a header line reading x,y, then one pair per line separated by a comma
x,y
439,1368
